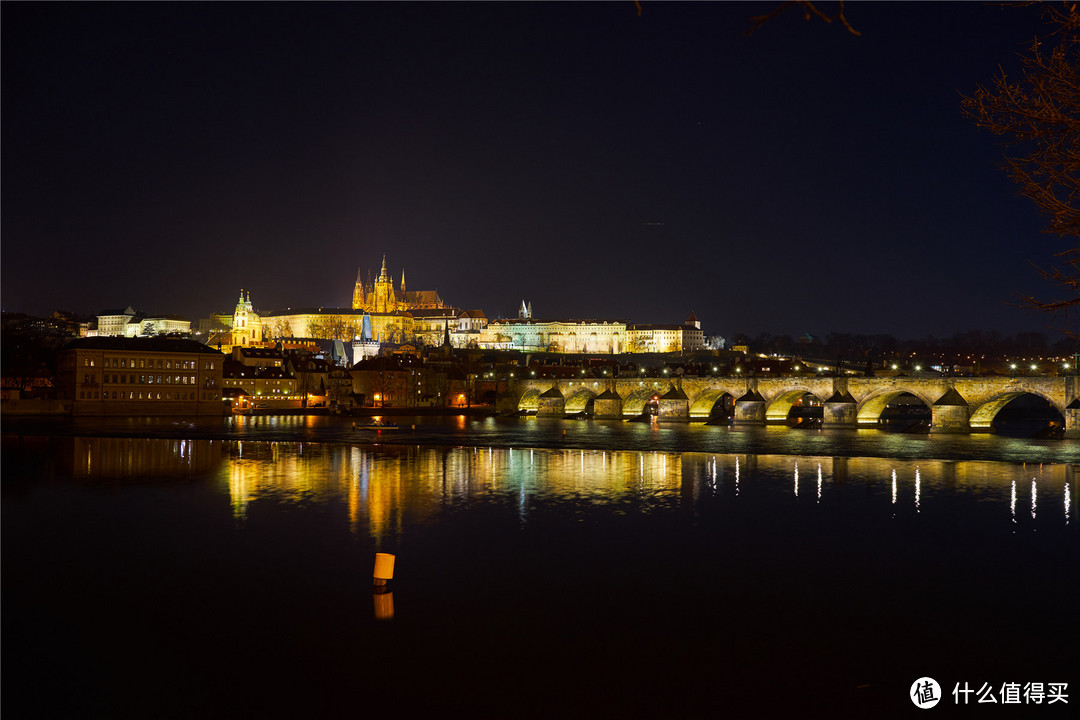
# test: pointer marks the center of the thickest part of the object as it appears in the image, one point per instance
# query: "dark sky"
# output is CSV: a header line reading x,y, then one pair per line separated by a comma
x,y
597,163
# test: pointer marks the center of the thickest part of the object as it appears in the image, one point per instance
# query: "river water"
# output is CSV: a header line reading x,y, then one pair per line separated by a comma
x,y
545,568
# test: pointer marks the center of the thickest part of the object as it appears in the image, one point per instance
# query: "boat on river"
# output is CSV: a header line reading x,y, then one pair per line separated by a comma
x,y
377,425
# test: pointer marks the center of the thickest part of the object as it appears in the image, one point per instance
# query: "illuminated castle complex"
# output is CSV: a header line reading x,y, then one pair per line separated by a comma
x,y
381,296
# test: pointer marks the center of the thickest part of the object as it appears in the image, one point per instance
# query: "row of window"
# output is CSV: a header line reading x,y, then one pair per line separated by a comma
x,y
148,379
132,395
145,364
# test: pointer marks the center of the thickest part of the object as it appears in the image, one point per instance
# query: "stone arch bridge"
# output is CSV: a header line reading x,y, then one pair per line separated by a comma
x,y
957,404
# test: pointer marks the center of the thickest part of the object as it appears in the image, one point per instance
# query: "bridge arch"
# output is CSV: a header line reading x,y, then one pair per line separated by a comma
x,y
701,408
635,401
982,417
579,400
778,410
871,407
529,400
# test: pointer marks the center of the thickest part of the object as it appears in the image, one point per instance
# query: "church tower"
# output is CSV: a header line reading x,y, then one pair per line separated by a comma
x,y
247,326
359,292
385,300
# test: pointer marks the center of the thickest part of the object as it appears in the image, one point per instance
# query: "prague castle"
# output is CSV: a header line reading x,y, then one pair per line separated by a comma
x,y
381,296
382,313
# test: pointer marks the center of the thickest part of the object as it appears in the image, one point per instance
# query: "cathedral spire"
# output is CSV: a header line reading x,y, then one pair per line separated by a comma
x,y
402,279
384,276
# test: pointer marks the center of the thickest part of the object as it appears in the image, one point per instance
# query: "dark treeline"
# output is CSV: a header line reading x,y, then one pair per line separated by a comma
x,y
986,344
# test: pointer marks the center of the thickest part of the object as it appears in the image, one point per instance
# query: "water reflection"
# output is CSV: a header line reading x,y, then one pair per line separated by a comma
x,y
384,490
122,458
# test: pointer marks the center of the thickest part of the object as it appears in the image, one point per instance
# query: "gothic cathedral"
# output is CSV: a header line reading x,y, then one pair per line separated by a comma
x,y
380,297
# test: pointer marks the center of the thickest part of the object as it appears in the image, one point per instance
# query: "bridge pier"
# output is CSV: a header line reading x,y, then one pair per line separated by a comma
x,y
950,414
1072,419
551,404
840,411
749,409
673,406
608,405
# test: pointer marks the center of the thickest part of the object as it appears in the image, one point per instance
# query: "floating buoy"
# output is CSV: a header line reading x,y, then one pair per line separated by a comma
x,y
384,568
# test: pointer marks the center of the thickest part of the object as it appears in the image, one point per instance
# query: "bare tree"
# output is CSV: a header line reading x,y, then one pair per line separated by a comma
x,y
809,10
1038,115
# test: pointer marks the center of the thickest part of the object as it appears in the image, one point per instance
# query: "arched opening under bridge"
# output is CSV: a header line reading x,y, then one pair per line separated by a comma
x,y
1019,414
896,411
530,401
798,408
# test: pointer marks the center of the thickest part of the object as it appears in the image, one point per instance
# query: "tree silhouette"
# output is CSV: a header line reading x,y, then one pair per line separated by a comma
x,y
1038,115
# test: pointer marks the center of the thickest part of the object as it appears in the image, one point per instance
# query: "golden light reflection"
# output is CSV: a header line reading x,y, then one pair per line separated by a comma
x,y
1068,501
1012,503
151,458
384,490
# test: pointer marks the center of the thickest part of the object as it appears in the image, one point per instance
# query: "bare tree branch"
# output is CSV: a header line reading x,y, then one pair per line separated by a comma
x,y
1038,117
809,8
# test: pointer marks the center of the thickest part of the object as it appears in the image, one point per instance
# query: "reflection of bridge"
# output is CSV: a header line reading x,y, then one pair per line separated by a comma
x,y
959,404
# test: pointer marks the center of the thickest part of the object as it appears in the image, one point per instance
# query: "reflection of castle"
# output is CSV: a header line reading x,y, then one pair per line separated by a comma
x,y
382,297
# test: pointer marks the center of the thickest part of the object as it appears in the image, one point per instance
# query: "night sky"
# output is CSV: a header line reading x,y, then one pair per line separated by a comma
x,y
596,163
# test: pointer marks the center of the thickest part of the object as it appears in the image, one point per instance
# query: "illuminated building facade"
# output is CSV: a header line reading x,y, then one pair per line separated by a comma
x,y
140,376
256,378
528,334
129,323
564,336
687,337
